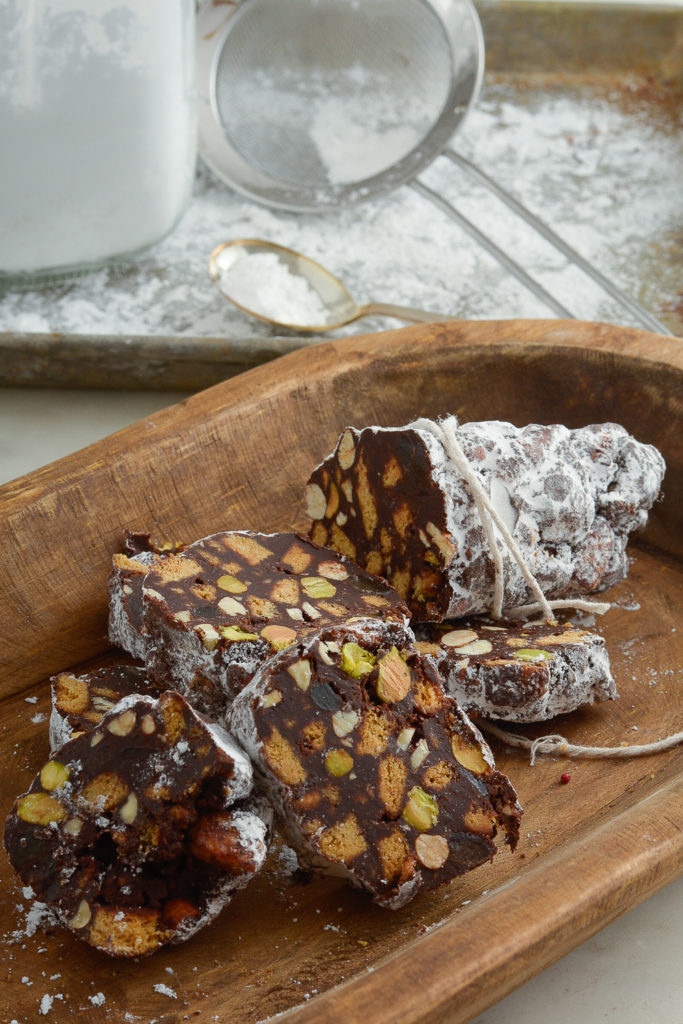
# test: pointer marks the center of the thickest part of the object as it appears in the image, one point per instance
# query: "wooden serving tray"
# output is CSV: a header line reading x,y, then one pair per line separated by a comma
x,y
238,456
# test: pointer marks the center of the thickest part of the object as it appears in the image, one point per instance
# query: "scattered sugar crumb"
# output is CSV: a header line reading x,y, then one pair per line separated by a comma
x,y
98,999
38,718
288,860
46,1003
31,700
164,990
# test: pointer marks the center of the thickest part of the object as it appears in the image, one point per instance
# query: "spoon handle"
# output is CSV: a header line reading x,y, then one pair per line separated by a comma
x,y
421,316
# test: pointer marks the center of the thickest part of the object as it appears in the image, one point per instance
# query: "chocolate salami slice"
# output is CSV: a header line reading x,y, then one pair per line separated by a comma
x,y
395,501
518,672
374,770
229,601
80,702
137,833
126,625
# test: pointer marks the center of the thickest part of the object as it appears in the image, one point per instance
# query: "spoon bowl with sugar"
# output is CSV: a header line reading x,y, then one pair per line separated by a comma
x,y
285,288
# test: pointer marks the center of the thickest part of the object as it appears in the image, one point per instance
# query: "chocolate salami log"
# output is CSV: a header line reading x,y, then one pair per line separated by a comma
x,y
80,702
518,672
394,501
229,601
137,833
126,626
375,772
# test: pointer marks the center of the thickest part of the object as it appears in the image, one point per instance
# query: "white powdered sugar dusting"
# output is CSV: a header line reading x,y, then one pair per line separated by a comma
x,y
577,494
600,170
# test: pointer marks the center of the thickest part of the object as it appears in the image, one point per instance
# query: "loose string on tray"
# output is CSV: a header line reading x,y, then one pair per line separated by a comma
x,y
556,744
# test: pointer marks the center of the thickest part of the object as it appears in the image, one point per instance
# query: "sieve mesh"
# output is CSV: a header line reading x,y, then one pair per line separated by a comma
x,y
331,92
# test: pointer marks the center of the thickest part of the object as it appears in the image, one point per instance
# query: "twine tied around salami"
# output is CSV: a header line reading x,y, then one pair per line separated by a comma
x,y
444,432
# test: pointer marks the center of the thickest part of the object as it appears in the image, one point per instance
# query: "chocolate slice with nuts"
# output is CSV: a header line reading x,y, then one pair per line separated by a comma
x,y
126,625
137,833
394,500
215,612
516,671
374,770
80,702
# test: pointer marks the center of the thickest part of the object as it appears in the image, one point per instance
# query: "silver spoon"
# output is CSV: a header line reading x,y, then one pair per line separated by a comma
x,y
331,301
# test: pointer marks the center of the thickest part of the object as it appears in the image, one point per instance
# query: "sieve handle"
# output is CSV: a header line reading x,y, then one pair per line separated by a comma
x,y
419,316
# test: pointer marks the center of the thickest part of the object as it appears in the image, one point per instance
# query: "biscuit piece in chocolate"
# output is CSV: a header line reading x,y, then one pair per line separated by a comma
x,y
394,500
126,625
80,702
137,833
375,772
516,671
216,611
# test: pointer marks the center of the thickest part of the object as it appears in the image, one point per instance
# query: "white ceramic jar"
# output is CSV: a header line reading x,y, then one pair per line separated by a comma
x,y
97,130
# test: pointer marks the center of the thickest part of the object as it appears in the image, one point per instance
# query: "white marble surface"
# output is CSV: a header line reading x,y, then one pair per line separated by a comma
x,y
629,973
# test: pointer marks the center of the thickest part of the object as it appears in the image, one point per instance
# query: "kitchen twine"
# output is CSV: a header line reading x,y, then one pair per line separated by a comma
x,y
444,432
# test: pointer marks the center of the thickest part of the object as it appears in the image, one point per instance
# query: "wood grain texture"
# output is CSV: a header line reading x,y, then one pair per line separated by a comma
x,y
130,362
238,456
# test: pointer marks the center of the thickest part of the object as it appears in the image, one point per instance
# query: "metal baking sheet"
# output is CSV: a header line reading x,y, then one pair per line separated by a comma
x,y
579,117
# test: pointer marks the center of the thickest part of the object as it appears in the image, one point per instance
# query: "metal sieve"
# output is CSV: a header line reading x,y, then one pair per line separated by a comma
x,y
307,105
311,104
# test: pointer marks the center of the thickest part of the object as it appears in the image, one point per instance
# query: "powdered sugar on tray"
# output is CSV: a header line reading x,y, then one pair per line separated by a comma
x,y
601,169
